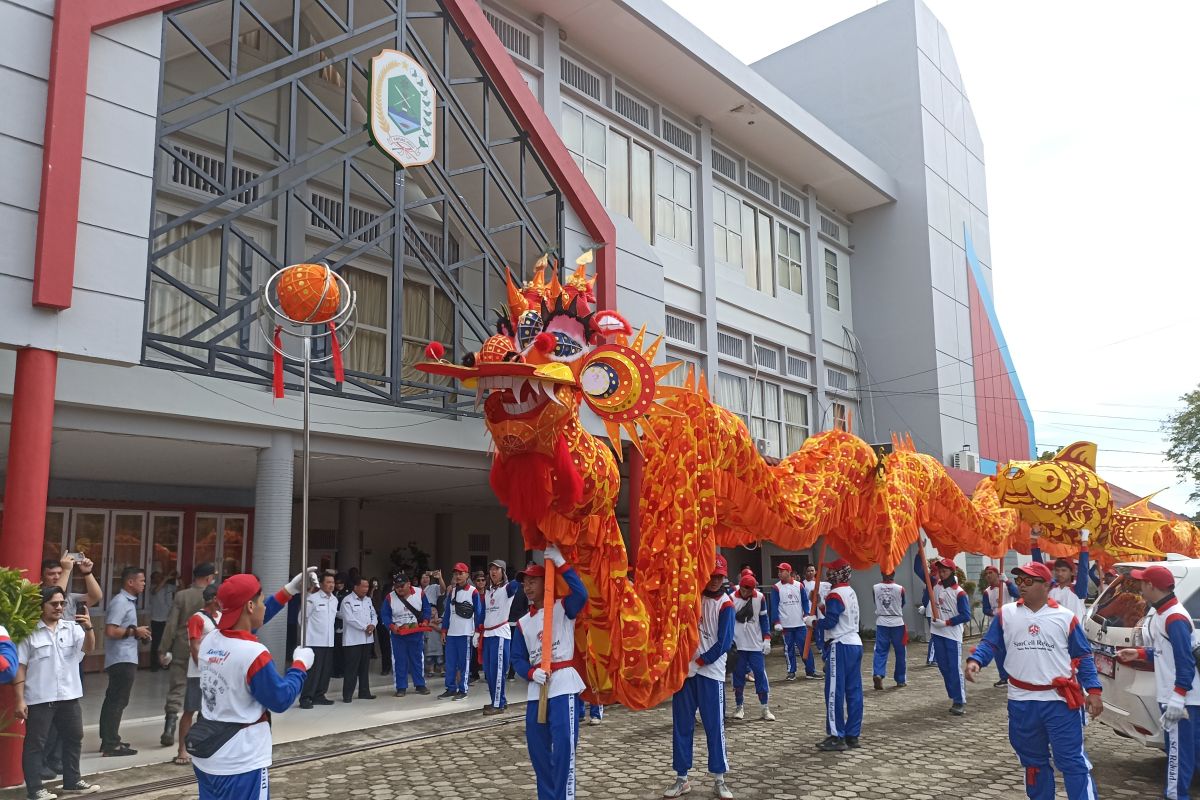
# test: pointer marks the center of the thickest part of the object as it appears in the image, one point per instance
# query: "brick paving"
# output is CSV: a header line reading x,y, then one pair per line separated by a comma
x,y
911,749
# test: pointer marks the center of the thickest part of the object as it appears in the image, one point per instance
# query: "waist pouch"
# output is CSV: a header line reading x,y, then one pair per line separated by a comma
x,y
207,736
745,613
464,609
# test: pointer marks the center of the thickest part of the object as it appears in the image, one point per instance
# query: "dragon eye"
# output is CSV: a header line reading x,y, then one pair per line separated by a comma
x,y
528,327
565,347
599,380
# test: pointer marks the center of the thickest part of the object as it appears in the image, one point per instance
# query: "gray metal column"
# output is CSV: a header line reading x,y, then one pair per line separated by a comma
x,y
349,542
273,529
706,251
551,94
816,294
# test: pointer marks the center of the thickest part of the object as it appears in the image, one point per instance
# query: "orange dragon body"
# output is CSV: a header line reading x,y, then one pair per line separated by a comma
x,y
704,483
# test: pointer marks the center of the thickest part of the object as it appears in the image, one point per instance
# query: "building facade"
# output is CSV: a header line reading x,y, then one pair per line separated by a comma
x,y
164,162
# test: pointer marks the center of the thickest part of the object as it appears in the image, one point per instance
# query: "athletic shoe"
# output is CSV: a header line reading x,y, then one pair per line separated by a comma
x,y
791,676
739,712
721,790
594,720
682,786
958,709
492,710
459,696
901,684
82,787
852,742
810,676
421,690
447,693
833,744
878,681
401,692
767,715
46,794
1001,682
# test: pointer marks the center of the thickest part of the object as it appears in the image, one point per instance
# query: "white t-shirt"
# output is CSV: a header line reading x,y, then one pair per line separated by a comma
x,y
1035,647
748,635
227,663
710,614
947,602
889,605
789,596
846,629
563,680
497,603
1065,596
825,588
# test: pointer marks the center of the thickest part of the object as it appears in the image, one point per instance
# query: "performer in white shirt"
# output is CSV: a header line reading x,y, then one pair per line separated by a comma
x,y
496,653
318,634
843,662
230,744
405,614
1043,643
359,619
954,612
789,607
818,642
752,637
996,594
890,631
462,619
551,743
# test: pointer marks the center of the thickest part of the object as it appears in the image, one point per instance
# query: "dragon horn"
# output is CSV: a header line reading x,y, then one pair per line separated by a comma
x,y
555,290
517,305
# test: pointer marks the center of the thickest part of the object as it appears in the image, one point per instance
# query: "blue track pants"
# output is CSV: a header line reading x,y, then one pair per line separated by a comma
x,y
1182,741
1034,729
408,657
891,640
552,746
949,661
707,695
250,785
497,655
457,649
793,644
595,711
753,661
818,645
843,689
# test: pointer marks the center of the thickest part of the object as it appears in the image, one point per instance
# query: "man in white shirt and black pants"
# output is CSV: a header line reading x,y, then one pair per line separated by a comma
x,y
47,692
358,638
321,612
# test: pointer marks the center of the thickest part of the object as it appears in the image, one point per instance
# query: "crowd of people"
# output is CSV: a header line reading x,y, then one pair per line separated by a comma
x,y
491,625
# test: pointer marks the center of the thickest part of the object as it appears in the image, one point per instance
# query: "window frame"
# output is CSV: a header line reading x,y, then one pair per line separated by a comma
x,y
675,204
756,264
783,233
833,299
581,156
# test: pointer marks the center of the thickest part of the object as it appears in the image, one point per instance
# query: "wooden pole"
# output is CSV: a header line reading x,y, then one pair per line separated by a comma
x,y
812,604
547,640
933,606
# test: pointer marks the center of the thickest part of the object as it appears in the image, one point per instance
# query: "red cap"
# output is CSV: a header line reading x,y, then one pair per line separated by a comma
x,y
461,567
748,582
532,571
1034,569
945,562
721,567
1158,577
784,565
841,563
746,571
235,592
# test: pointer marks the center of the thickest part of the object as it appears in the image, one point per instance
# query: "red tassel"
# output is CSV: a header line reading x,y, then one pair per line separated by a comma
x,y
277,375
570,484
339,368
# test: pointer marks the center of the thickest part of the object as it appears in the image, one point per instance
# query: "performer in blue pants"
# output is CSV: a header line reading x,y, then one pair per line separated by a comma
x,y
551,743
704,690
818,642
405,614
595,713
1177,682
1050,667
891,635
843,662
789,607
954,611
995,595
752,637
497,651
461,621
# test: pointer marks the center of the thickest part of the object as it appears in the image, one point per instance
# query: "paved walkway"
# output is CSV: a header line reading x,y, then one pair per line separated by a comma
x,y
912,750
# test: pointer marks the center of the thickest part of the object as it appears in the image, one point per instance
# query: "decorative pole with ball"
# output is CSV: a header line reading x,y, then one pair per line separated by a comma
x,y
308,302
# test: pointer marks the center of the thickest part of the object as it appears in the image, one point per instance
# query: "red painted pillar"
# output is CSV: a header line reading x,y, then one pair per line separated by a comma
x,y
27,478
636,462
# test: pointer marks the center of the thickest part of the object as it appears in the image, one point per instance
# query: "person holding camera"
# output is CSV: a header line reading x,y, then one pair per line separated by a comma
x,y
121,659
48,690
461,623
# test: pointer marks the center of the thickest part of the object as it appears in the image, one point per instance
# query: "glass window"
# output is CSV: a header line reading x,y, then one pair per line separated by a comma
x,y
731,394
673,189
795,417
205,549
743,238
790,247
233,546
428,315
53,544
832,297
727,227
764,416
128,546
618,172
640,197
841,417
369,351
766,257
678,376
88,529
586,139
164,543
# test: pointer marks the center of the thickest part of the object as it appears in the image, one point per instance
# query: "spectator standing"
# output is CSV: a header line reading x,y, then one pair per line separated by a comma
x,y
49,688
382,636
340,591
434,587
121,659
435,651
322,611
460,625
497,636
160,597
359,622
201,624
175,636
405,615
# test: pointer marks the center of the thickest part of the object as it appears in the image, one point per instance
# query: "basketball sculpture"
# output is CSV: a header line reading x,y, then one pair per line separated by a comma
x,y
309,293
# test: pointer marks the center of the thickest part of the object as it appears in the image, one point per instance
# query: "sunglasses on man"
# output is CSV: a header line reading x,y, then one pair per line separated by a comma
x,y
1025,580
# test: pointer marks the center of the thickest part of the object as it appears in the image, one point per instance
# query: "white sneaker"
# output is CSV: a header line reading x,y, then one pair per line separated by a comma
x,y
593,720
682,786
721,790
43,794
767,715
739,712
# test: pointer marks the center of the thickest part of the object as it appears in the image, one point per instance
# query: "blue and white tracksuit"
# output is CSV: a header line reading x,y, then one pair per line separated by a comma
x,y
459,631
818,642
991,602
789,607
1041,647
1169,648
552,743
497,636
704,688
8,658
954,611
406,632
843,663
749,637
1074,597
891,635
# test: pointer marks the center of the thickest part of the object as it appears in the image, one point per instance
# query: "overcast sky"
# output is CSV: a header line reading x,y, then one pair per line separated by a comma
x,y
1090,117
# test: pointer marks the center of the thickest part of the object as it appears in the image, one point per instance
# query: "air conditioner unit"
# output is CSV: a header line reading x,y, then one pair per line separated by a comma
x,y
966,460
765,447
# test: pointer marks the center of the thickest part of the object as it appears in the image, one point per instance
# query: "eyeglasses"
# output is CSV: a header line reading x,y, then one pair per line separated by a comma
x,y
1025,580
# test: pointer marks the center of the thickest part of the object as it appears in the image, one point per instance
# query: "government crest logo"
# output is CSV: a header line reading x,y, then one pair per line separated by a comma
x,y
403,123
